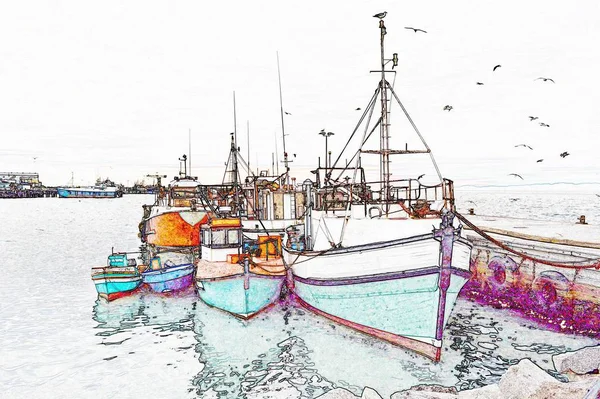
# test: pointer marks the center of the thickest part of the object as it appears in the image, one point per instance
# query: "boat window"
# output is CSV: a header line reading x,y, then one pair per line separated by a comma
x,y
233,236
218,237
205,237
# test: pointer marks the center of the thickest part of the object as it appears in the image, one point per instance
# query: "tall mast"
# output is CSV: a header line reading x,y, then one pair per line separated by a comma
x,y
190,151
384,157
248,138
285,155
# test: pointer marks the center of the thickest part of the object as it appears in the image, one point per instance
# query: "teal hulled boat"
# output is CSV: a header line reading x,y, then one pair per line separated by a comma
x,y
119,278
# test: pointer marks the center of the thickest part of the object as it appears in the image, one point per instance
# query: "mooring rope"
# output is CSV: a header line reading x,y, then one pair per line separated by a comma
x,y
574,265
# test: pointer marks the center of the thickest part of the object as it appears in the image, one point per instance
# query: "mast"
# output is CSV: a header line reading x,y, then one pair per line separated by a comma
x,y
285,155
384,157
248,139
190,151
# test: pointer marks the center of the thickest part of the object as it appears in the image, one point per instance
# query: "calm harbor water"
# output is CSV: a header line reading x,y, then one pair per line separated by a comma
x,y
58,340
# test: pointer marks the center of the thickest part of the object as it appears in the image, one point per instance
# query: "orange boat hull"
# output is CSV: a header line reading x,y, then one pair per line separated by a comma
x,y
175,229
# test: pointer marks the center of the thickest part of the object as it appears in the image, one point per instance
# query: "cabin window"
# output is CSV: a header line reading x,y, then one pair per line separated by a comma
x,y
219,237
206,237
233,237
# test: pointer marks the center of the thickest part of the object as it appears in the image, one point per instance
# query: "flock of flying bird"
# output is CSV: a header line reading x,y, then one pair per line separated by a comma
x,y
450,107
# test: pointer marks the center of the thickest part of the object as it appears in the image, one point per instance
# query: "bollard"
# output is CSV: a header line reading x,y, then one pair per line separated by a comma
x,y
471,211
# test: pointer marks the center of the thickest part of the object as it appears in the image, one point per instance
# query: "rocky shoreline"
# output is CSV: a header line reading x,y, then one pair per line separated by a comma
x,y
524,380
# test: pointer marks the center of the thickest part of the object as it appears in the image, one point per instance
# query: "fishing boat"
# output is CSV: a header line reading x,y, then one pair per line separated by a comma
x,y
174,220
366,254
241,269
238,276
169,272
120,277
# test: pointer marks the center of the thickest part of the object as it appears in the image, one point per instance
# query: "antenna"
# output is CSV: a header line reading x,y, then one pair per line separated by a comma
x,y
248,138
285,156
234,123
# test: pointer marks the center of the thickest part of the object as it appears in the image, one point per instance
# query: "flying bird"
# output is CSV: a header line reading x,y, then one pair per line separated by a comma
x,y
448,108
294,155
358,109
524,145
418,178
564,154
597,195
532,118
516,175
545,79
544,124
381,15
496,67
539,160
415,29
479,84
287,113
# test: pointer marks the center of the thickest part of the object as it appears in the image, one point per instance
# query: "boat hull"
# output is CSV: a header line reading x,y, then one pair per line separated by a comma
x,y
169,279
242,295
89,193
112,286
404,304
174,229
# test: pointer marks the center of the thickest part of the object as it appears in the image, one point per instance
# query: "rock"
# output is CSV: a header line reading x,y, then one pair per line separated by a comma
x,y
409,394
491,391
523,380
586,389
582,361
435,388
338,393
370,393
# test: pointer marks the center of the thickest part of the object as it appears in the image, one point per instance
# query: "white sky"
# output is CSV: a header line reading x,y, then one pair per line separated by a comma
x,y
109,89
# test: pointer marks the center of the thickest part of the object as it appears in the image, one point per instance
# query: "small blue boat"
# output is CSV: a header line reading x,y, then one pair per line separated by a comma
x,y
121,277
169,272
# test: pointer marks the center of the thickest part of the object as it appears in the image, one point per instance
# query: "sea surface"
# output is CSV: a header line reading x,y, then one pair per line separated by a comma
x,y
57,340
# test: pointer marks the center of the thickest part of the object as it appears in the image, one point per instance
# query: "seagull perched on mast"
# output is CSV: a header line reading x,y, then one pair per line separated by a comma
x,y
381,15
415,29
545,79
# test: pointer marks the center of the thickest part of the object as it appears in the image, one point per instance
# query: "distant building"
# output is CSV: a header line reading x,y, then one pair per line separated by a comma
x,y
19,180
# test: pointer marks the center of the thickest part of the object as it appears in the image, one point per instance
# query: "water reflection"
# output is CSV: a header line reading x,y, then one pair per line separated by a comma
x,y
296,354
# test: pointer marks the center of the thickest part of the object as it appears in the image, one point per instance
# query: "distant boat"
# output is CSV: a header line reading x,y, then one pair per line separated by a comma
x,y
367,255
89,192
169,272
121,277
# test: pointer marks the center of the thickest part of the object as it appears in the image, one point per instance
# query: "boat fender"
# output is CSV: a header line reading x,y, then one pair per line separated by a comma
x,y
371,212
498,267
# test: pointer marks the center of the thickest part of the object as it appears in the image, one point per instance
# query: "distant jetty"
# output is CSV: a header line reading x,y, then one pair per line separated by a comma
x,y
24,185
